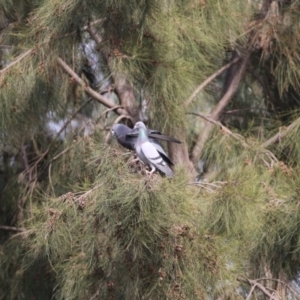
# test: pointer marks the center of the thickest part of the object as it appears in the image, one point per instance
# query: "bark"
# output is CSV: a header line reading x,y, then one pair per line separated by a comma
x,y
209,79
281,134
89,90
232,88
179,154
123,88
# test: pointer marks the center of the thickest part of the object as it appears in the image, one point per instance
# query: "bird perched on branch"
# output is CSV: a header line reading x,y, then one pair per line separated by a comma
x,y
128,137
148,153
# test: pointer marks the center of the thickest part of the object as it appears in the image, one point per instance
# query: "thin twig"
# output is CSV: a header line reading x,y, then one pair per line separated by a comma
x,y
12,228
60,154
223,128
86,27
105,113
70,119
241,139
209,79
94,34
77,198
50,179
209,186
19,58
59,133
251,291
32,172
281,134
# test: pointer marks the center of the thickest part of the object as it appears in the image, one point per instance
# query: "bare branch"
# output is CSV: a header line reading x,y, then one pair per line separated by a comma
x,y
70,119
209,186
123,88
196,153
251,291
11,228
254,283
19,58
280,134
261,154
61,153
31,171
89,90
279,281
223,128
92,23
209,79
94,34
105,113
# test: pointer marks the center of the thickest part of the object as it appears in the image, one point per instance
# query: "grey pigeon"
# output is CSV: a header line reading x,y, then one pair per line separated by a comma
x,y
147,152
128,137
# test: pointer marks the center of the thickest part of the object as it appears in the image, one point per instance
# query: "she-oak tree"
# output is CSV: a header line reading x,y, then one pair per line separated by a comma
x,y
78,219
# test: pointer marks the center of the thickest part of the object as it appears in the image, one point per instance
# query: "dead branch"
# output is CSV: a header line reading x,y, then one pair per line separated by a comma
x,y
260,154
209,186
98,97
70,119
208,80
280,134
123,88
61,153
105,113
279,281
93,33
19,58
92,23
254,283
12,228
196,153
223,128
30,174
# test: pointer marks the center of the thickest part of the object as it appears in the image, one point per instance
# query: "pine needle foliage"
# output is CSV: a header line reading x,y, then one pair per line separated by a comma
x,y
90,224
126,237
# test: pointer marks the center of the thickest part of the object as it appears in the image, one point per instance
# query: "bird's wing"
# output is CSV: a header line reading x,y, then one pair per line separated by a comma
x,y
161,151
154,158
163,137
154,134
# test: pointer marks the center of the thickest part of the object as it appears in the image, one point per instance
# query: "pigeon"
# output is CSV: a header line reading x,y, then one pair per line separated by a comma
x,y
128,137
148,154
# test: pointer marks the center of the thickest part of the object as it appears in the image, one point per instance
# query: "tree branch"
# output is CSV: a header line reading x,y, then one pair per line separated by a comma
x,y
89,90
280,134
11,228
254,283
196,153
209,79
20,57
223,128
123,88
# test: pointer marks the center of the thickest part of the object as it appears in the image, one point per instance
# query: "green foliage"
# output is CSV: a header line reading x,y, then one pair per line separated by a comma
x,y
127,236
95,227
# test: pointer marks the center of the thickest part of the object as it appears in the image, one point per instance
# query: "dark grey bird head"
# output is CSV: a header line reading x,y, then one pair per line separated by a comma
x,y
120,131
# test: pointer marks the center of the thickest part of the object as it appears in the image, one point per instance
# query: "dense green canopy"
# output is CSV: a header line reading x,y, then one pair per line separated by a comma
x,y
79,219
